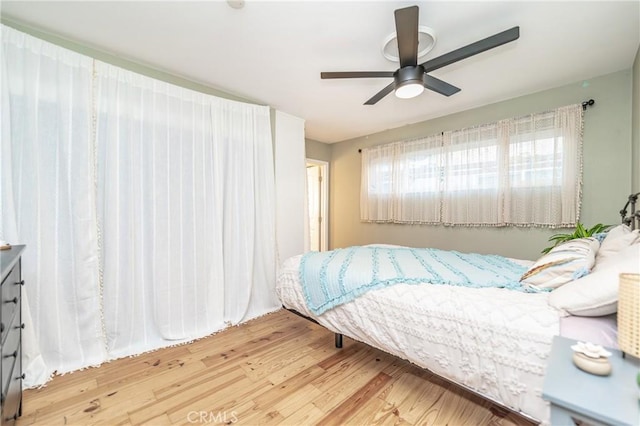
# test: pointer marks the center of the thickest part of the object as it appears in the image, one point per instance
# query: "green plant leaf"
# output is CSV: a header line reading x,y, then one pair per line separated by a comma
x,y
597,228
579,232
560,237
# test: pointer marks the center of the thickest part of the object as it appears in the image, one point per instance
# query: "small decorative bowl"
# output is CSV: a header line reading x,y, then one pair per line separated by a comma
x,y
591,358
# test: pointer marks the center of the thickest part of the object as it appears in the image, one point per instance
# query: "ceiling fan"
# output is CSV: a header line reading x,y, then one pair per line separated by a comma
x,y
411,79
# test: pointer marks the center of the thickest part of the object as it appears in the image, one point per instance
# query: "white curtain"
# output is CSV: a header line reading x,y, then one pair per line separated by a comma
x,y
525,171
185,202
545,168
401,181
147,209
473,175
48,201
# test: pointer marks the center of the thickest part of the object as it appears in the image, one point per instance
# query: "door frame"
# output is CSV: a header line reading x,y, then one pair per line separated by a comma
x,y
324,201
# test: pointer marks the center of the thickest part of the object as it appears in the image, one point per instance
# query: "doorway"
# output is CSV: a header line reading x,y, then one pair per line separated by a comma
x,y
318,204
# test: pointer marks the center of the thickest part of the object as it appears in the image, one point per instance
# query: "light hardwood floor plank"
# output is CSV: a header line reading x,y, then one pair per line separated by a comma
x,y
339,415
308,414
277,369
290,404
47,396
203,385
375,411
289,386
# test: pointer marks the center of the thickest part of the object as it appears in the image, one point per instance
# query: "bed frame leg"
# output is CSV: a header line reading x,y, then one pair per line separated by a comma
x,y
338,340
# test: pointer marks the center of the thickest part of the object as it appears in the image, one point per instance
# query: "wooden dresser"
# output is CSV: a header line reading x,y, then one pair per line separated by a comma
x,y
11,372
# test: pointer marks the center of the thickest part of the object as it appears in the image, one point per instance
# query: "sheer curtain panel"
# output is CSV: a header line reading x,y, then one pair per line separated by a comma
x,y
48,201
401,181
159,208
249,223
148,210
185,191
545,168
472,175
525,171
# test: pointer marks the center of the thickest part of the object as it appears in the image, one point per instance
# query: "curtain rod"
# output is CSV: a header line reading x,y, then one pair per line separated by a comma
x,y
585,104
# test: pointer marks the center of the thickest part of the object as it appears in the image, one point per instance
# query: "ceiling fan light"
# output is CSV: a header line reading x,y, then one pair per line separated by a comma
x,y
409,81
409,90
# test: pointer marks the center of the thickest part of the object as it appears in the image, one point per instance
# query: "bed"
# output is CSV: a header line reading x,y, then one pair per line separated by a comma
x,y
492,341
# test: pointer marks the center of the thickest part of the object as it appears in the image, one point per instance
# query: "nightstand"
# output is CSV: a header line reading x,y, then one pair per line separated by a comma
x,y
580,398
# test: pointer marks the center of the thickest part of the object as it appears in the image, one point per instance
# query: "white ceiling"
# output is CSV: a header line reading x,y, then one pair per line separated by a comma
x,y
273,52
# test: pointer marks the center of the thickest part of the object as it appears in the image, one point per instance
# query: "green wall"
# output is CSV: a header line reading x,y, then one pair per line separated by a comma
x,y
317,150
607,173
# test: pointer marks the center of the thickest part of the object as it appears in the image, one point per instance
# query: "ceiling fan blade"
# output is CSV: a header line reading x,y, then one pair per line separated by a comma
x,y
381,94
407,35
472,49
356,74
439,86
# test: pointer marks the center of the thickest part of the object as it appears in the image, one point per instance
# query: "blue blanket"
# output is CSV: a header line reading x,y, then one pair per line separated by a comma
x,y
335,277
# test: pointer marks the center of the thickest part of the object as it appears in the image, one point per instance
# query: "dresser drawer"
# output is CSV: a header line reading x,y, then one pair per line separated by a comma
x,y
12,398
10,352
10,298
10,363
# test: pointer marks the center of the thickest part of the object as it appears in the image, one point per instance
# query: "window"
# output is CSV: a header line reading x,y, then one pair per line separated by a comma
x,y
524,171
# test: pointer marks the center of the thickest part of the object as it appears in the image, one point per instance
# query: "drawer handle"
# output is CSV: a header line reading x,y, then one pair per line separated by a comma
x,y
21,377
21,326
1,327
14,300
578,422
13,355
21,282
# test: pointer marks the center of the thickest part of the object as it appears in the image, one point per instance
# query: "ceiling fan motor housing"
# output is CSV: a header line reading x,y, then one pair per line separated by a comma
x,y
409,78
410,74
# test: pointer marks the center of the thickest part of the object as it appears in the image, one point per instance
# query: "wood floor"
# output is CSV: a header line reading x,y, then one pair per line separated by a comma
x,y
278,369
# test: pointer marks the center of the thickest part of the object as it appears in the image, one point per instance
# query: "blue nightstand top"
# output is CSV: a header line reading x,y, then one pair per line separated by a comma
x,y
609,399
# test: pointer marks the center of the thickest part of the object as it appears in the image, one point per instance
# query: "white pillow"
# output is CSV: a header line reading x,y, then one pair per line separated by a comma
x,y
618,239
597,293
618,231
564,263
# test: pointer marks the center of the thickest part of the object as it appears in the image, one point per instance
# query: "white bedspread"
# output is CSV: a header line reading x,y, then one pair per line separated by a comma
x,y
494,341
